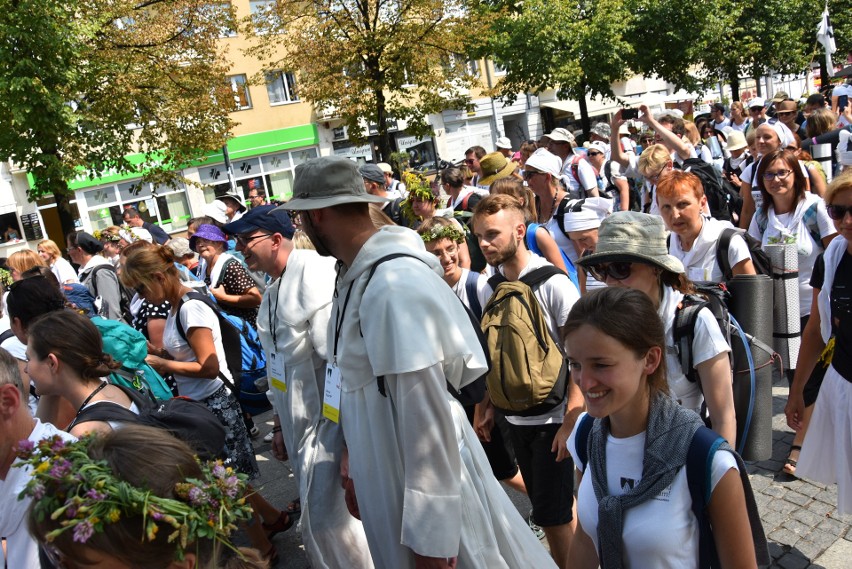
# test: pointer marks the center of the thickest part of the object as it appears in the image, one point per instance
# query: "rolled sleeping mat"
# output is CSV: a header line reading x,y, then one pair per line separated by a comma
x,y
822,154
751,305
787,332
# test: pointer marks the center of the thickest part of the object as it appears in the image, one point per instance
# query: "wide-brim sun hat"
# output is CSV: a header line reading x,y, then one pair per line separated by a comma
x,y
494,167
629,236
328,181
736,141
237,197
209,232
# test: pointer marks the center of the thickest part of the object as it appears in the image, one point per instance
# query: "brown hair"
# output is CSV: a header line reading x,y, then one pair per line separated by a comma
x,y
677,182
148,458
141,263
516,188
791,162
627,316
820,122
24,260
453,177
74,340
489,205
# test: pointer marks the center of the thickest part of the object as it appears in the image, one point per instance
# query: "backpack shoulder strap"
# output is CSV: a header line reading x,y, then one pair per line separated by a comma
x,y
227,264
192,295
722,248
470,286
686,315
112,411
495,280
699,466
538,276
567,204
532,245
581,439
6,335
94,273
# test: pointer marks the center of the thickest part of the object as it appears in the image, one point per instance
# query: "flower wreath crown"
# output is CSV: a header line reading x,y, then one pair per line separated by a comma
x,y
443,232
83,495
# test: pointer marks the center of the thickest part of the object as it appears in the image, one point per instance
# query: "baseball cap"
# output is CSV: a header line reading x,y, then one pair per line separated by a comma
x,y
266,217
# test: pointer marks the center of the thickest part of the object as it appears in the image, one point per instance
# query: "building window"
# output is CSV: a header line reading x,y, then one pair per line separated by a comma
x,y
164,206
10,230
263,16
281,87
242,100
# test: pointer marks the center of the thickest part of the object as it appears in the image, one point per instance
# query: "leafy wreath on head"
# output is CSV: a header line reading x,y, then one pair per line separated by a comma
x,y
83,495
417,186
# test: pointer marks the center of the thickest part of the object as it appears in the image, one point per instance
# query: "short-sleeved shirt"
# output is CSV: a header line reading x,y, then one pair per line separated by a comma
x,y
149,311
237,280
841,310
700,261
195,314
585,172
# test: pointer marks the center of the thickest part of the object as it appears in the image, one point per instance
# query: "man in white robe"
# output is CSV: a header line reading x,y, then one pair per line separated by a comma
x,y
398,337
17,424
292,324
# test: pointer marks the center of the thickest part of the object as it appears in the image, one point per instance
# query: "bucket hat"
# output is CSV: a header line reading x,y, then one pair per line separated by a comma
x,y
545,161
328,181
494,167
633,237
237,197
209,232
736,140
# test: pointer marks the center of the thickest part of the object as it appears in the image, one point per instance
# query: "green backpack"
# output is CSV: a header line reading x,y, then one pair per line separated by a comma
x,y
528,373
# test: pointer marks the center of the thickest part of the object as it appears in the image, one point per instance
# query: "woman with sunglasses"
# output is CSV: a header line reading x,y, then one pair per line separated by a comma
x,y
634,501
632,253
197,361
826,427
790,214
228,280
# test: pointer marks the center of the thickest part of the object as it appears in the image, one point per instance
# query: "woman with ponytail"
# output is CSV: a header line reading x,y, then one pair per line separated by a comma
x,y
66,357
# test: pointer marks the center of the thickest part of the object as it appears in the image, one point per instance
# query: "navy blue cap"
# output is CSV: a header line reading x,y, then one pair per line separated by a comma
x,y
266,217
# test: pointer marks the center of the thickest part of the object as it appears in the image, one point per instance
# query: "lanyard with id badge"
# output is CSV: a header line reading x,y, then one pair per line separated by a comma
x,y
275,362
331,397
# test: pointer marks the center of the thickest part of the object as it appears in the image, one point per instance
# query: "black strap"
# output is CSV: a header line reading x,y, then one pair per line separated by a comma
x,y
686,316
722,247
699,459
6,335
94,280
470,286
195,295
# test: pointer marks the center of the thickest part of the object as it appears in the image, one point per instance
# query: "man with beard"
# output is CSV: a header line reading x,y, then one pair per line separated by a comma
x,y
539,441
398,338
292,323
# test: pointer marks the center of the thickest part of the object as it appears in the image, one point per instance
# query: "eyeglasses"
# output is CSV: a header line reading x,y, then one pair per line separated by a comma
x,y
593,154
779,175
755,109
529,174
243,240
838,212
618,270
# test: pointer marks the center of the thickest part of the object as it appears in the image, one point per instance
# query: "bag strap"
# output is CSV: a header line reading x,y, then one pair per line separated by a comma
x,y
6,335
94,280
194,295
699,466
581,439
470,286
227,264
686,316
813,226
112,411
532,245
722,248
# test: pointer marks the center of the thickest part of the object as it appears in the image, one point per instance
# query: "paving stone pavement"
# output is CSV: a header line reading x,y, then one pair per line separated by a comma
x,y
799,517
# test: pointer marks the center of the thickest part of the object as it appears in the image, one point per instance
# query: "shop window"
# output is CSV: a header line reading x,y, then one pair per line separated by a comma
x,y
174,211
10,229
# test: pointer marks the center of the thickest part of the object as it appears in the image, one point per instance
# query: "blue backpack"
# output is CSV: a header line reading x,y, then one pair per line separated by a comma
x,y
243,354
533,246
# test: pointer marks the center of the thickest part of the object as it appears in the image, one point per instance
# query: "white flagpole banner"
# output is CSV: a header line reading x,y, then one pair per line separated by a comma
x,y
825,36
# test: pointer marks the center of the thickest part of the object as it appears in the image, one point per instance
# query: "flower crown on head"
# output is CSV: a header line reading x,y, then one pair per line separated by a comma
x,y
6,277
443,232
418,186
83,495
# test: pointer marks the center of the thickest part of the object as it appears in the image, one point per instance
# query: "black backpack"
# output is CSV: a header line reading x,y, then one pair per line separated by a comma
x,y
470,394
124,294
759,258
718,199
186,419
712,296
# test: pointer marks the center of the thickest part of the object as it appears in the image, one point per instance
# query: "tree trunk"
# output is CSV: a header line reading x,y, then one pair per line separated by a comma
x,y
63,207
584,109
382,127
734,81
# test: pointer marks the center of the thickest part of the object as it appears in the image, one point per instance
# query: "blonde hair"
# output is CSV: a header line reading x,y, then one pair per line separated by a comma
x,y
51,247
841,183
302,241
24,260
653,159
692,133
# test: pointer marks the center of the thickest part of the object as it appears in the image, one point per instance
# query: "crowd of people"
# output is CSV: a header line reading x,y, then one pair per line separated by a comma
x,y
512,320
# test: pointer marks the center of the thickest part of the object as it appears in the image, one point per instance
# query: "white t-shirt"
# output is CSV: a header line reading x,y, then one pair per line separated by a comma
x,y
64,271
555,296
700,260
740,127
748,175
586,173
562,241
707,343
661,532
460,288
195,314
806,261
720,125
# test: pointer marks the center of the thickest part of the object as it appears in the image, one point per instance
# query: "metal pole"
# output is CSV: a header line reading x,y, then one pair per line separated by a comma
x,y
229,169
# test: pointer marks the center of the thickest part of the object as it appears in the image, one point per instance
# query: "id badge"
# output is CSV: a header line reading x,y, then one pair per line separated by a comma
x,y
276,372
331,397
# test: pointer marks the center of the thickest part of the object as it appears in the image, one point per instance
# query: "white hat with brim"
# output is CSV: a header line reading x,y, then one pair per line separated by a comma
x,y
241,202
216,210
560,135
328,181
545,161
633,237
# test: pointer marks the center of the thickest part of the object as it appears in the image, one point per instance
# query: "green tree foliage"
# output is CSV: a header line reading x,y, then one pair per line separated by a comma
x,y
83,83
579,48
373,61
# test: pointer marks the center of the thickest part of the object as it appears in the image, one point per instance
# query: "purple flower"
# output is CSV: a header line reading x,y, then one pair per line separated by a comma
x,y
197,496
157,515
95,495
219,471
71,512
58,444
25,448
38,491
232,486
83,531
60,468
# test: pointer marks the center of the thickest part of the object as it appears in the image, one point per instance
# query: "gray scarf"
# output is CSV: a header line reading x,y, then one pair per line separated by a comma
x,y
667,439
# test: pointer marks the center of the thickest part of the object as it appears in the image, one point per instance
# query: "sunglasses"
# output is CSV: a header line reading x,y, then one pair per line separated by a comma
x,y
593,154
529,174
470,160
618,270
755,109
838,212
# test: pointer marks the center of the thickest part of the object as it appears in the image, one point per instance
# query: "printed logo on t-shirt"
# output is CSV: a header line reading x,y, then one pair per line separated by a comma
x,y
665,495
627,484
